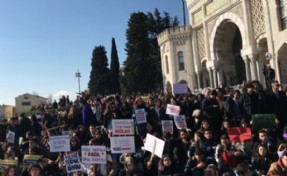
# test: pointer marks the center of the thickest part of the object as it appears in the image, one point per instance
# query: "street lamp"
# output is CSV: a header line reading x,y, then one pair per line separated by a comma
x,y
78,75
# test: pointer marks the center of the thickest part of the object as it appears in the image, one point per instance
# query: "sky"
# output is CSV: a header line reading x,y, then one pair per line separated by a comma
x,y
43,43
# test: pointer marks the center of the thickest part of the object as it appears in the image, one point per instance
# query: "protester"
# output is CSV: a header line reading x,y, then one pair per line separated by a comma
x,y
197,149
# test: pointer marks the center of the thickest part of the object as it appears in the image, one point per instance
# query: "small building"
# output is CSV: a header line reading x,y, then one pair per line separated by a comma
x,y
25,102
6,111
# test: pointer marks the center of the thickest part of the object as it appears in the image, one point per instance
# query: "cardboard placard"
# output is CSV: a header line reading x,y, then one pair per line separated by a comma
x,y
180,122
140,116
94,154
10,137
59,143
263,121
123,126
72,162
172,109
167,126
179,88
238,134
154,145
123,144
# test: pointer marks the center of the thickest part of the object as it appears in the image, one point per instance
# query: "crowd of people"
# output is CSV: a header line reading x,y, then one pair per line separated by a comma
x,y
203,148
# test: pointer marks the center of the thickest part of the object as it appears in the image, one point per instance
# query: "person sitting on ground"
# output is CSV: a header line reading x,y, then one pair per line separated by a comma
x,y
279,167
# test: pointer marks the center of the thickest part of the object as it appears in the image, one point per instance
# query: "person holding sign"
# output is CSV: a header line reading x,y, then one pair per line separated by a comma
x,y
139,115
111,112
13,127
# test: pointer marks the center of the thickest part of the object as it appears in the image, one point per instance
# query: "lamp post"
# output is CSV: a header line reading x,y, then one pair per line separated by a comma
x,y
78,75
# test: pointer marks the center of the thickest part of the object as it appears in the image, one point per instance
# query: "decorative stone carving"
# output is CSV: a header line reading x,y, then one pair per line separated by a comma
x,y
257,17
238,11
200,43
210,25
180,42
165,49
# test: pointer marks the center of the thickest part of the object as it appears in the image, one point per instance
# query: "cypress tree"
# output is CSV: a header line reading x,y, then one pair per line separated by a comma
x,y
115,66
99,76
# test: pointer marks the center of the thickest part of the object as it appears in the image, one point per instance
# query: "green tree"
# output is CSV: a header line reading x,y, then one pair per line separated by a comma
x,y
142,69
114,73
99,76
137,66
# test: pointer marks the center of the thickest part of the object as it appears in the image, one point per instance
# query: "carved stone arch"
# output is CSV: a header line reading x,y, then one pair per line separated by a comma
x,y
221,20
227,40
182,81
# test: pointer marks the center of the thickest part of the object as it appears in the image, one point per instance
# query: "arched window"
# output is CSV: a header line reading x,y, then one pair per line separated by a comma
x,y
281,6
166,65
180,60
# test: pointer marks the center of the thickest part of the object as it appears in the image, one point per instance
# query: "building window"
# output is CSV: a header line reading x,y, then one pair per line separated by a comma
x,y
282,13
27,103
180,60
166,65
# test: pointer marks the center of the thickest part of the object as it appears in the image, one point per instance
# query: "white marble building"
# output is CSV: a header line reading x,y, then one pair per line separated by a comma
x,y
226,41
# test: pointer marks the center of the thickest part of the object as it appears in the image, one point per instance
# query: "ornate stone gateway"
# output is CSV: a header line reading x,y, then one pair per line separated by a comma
x,y
227,47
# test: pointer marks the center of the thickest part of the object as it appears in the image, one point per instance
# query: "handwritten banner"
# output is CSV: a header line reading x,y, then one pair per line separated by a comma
x,y
167,126
123,144
72,162
94,154
59,143
140,116
5,163
123,126
31,159
180,88
263,121
172,109
180,121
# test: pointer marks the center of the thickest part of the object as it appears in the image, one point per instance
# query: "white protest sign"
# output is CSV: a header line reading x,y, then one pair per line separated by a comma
x,y
154,145
94,154
180,88
72,162
140,116
180,122
172,109
59,143
10,137
167,126
123,126
67,133
123,144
